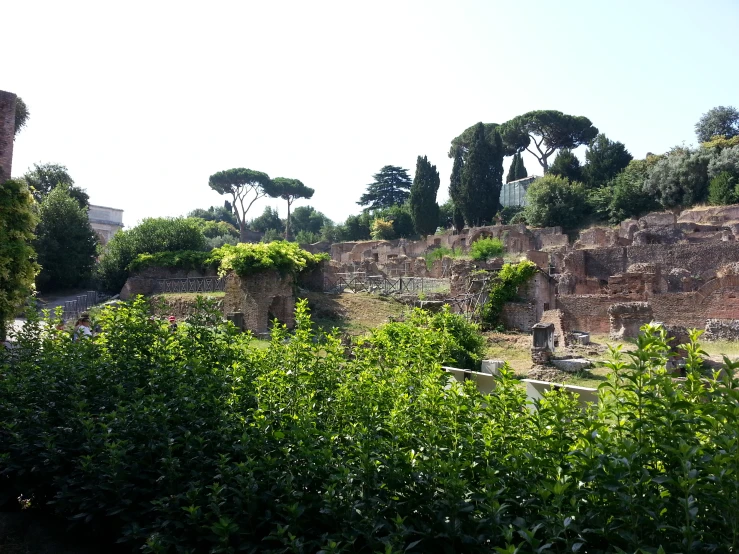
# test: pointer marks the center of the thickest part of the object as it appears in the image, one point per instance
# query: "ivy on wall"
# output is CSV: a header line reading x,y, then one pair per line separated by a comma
x,y
503,289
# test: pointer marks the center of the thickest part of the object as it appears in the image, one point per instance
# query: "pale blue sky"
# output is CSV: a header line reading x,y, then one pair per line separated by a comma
x,y
144,100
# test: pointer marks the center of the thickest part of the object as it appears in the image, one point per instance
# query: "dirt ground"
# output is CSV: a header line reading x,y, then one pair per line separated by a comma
x,y
354,314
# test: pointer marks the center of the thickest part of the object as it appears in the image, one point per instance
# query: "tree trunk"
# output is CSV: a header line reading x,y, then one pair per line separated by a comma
x,y
242,232
287,223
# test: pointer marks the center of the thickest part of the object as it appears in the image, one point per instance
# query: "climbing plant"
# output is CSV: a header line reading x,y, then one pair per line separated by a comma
x,y
503,289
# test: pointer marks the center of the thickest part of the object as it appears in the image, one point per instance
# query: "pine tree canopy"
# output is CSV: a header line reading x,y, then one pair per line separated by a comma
x,y
391,187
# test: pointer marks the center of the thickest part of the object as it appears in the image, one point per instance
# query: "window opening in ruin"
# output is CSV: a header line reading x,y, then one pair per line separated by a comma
x,y
376,257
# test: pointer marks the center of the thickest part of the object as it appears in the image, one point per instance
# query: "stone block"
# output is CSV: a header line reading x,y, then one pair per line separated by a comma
x,y
626,319
491,367
571,365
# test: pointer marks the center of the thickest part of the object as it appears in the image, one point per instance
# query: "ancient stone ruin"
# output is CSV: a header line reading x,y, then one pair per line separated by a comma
x,y
7,133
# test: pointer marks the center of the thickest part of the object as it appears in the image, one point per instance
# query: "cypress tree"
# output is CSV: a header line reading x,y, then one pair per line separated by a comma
x,y
513,170
482,178
455,189
517,170
423,206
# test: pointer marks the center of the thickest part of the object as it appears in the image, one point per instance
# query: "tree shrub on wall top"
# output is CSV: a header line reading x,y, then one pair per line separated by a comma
x,y
604,160
150,236
543,132
680,178
553,200
481,179
65,242
628,197
504,288
721,121
486,248
17,258
721,189
382,229
566,165
245,186
391,186
422,202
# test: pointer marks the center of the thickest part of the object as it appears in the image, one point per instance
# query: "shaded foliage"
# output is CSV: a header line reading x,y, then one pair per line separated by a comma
x,y
721,121
422,201
18,267
566,165
65,242
604,160
194,441
553,200
150,236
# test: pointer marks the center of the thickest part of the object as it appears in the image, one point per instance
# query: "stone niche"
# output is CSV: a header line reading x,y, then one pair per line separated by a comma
x,y
626,318
261,297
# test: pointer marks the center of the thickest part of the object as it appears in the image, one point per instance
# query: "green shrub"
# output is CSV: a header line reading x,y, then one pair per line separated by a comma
x,y
440,253
486,248
554,201
721,189
382,229
245,259
182,259
503,288
150,236
193,441
457,341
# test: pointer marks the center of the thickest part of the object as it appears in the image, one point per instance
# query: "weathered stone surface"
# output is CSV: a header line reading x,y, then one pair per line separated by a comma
x,y
261,297
7,133
571,365
658,235
680,280
491,367
657,219
722,329
626,318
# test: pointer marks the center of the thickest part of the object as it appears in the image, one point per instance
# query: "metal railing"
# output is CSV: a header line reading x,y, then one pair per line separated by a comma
x,y
382,284
83,302
190,284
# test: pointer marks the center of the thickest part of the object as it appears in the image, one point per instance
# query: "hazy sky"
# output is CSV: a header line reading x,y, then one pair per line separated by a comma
x,y
142,101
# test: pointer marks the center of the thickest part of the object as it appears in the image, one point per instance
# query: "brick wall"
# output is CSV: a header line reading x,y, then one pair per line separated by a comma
x,y
519,316
7,133
260,297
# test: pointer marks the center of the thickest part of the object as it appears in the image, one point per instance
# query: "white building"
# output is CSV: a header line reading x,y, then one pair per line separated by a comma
x,y
105,221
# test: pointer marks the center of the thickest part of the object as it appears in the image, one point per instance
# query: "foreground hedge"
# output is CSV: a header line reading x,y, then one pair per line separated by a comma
x,y
193,441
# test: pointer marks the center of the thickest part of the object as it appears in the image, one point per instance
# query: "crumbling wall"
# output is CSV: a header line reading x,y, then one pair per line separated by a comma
x,y
519,315
260,297
145,281
627,318
7,133
722,329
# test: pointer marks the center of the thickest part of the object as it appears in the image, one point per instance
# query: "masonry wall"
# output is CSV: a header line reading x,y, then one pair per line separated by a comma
x,y
7,133
698,259
260,297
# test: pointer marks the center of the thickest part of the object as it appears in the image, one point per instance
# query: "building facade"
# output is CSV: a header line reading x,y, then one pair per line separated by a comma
x,y
106,222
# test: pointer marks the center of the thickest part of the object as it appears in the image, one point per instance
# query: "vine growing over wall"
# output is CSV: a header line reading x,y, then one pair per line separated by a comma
x,y
503,289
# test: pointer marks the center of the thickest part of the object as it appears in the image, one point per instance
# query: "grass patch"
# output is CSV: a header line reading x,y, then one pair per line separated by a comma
x,y
353,314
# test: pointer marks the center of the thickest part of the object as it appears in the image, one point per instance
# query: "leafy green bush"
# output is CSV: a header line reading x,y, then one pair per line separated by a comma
x,y
382,229
486,248
504,288
457,341
182,259
553,200
721,189
245,259
441,252
193,441
150,236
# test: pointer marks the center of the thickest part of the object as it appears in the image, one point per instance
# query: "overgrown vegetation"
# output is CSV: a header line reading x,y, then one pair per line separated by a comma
x,y
283,256
243,258
440,253
503,288
193,441
486,248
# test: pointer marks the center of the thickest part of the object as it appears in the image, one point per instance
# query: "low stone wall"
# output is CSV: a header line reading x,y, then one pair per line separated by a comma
x,y
144,282
626,318
722,329
180,307
519,316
